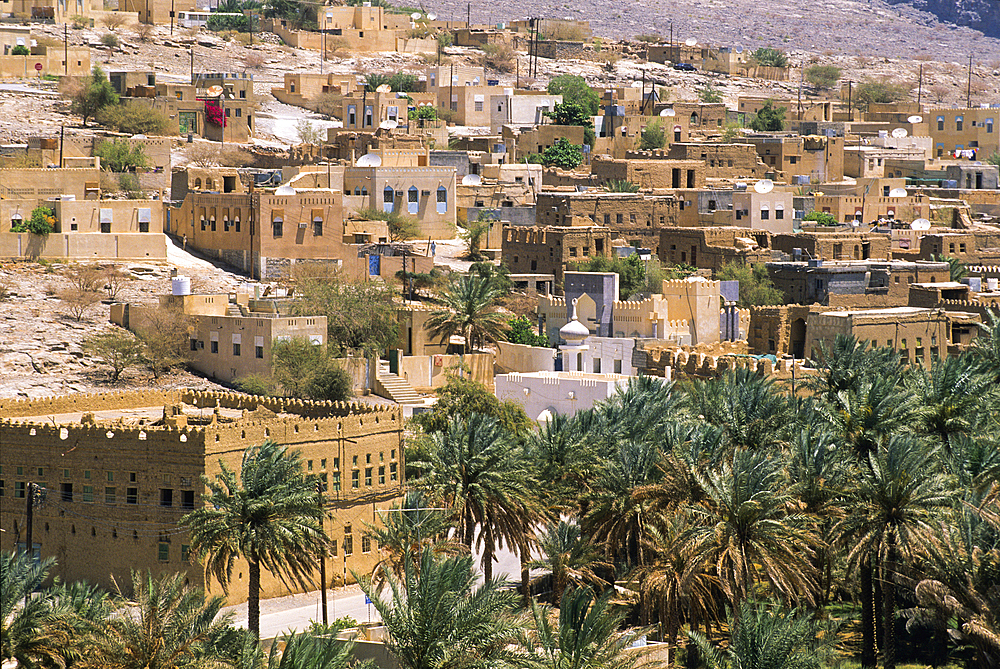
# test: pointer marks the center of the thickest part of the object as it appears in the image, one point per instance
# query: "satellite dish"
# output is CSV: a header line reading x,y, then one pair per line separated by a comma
x,y
388,124
284,190
899,133
138,137
369,160
764,186
738,49
214,91
384,88
663,112
415,16
668,112
897,192
915,119
432,17
920,224
690,41
472,180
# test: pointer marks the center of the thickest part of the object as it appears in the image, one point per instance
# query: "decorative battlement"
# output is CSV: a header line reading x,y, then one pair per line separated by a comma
x,y
655,361
201,399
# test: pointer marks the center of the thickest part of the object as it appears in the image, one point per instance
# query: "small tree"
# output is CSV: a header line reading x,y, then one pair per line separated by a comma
x,y
574,89
330,382
993,159
769,118
118,349
165,338
522,331
114,20
873,91
308,132
563,154
94,95
20,50
823,76
120,155
474,233
78,302
400,226
41,222
709,94
652,137
293,362
110,40
115,281
134,119
756,289
730,133
769,57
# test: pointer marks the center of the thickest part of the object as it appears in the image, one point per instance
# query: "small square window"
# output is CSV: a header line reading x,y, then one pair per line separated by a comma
x,y
88,493
163,552
109,495
131,495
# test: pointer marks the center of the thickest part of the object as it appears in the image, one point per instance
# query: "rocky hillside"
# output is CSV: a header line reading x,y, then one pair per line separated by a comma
x,y
899,28
982,15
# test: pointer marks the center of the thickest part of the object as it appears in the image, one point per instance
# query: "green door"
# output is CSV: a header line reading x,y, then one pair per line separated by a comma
x,y
187,122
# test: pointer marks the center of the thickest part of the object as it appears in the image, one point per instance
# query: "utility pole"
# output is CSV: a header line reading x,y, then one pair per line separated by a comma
x,y
920,84
62,135
171,17
850,109
65,48
192,63
468,16
968,91
29,521
322,557
802,77
672,42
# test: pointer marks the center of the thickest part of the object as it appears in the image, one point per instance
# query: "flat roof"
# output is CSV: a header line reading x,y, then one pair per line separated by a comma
x,y
131,416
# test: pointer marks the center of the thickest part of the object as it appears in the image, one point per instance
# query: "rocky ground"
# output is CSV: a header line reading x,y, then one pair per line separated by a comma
x,y
40,340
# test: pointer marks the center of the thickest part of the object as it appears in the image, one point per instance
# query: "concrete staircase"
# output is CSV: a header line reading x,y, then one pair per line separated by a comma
x,y
397,389
233,310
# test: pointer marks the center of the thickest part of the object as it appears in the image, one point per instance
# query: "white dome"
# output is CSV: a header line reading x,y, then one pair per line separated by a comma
x,y
574,331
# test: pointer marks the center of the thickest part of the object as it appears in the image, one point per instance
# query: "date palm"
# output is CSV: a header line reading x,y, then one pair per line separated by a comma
x,y
165,625
747,406
618,515
267,515
405,529
33,631
567,556
474,468
743,529
587,635
469,310
953,397
437,619
893,508
986,347
770,639
847,364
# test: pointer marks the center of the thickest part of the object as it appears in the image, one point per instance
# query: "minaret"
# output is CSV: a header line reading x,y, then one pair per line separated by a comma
x,y
575,334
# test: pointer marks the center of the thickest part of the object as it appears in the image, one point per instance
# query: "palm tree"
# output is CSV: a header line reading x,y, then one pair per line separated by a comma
x,y
436,619
865,417
567,557
405,530
562,459
742,528
617,517
746,405
770,639
268,516
986,347
469,310
848,363
586,636
33,632
893,506
475,469
953,397
313,649
675,586
166,625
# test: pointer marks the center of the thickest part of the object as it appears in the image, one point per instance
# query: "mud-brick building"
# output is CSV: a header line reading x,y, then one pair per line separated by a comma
x,y
547,250
711,248
119,471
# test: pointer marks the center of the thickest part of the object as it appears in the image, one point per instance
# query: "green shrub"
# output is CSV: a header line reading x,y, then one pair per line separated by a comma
x,y
134,119
255,384
120,155
823,76
41,222
769,57
709,94
621,186
871,91
20,50
110,40
769,118
563,154
821,218
652,137
522,331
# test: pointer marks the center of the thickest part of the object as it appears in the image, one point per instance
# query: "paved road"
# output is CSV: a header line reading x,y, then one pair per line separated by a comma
x,y
297,611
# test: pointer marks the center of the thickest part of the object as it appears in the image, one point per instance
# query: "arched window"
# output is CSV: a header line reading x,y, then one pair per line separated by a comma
x,y
388,199
412,200
197,182
442,200
694,118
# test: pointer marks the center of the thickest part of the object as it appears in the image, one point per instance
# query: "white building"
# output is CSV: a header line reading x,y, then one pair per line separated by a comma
x,y
544,394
